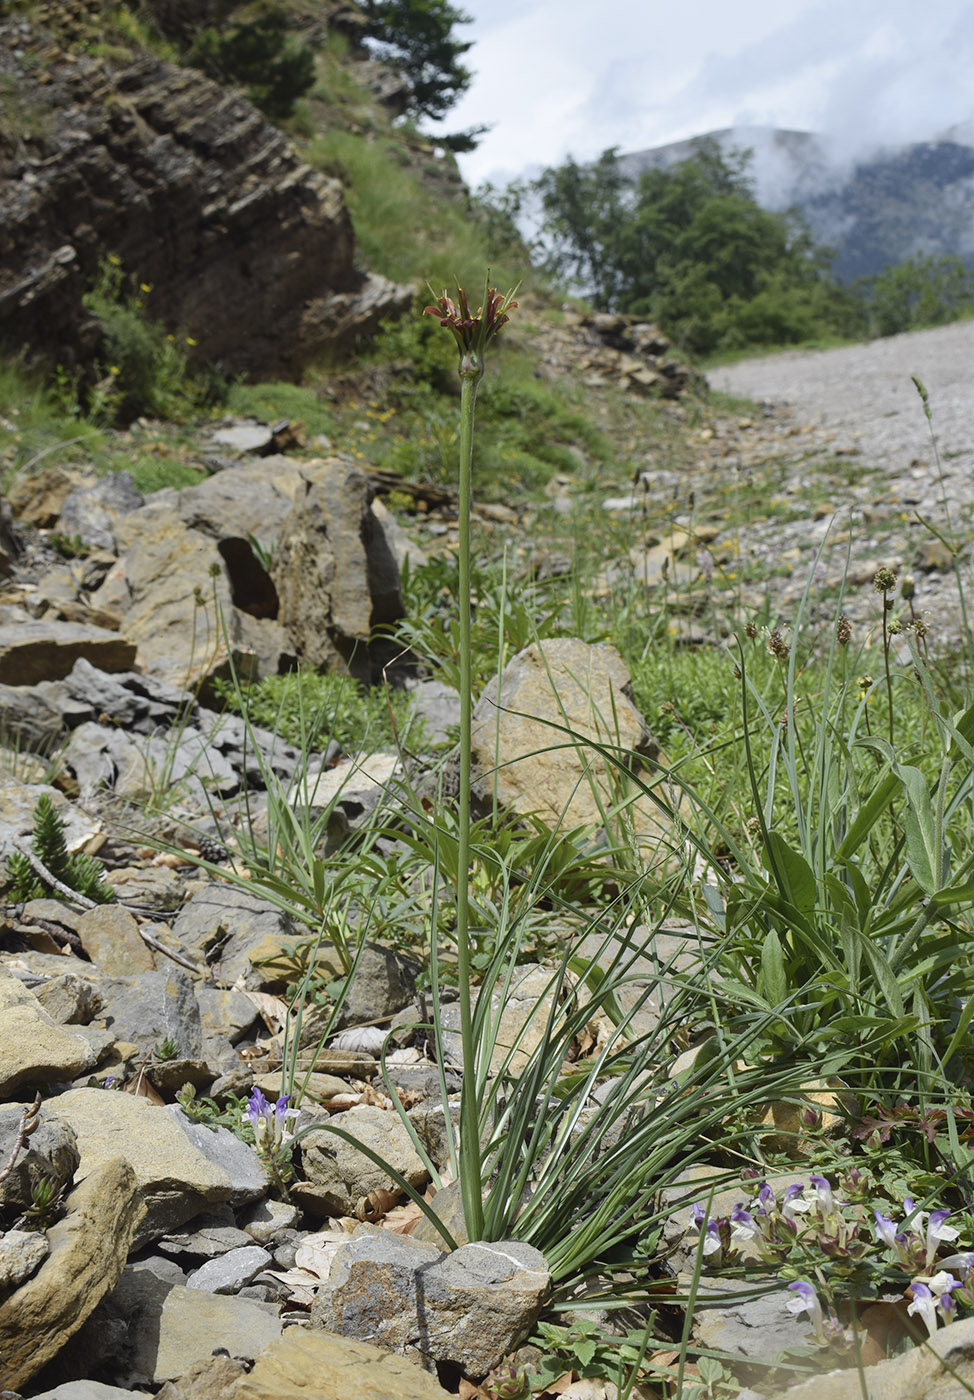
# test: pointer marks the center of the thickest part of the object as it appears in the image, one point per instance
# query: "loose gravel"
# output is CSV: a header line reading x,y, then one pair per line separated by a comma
x,y
859,404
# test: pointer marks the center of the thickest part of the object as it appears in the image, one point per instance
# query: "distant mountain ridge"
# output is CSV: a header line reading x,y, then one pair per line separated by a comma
x,y
873,209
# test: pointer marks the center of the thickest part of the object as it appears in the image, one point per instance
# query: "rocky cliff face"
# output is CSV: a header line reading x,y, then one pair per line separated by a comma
x,y
248,249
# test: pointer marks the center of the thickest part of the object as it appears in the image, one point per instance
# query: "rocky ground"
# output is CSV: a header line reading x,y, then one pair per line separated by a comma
x,y
864,469
170,1240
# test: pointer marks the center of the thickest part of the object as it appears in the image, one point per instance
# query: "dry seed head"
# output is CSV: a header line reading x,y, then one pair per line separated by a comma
x,y
884,580
843,631
751,630
777,645
895,627
920,628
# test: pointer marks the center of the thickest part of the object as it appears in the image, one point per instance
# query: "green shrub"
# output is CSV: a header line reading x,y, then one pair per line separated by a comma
x,y
263,57
143,369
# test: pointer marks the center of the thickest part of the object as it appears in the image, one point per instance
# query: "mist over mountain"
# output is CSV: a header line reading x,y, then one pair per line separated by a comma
x,y
872,208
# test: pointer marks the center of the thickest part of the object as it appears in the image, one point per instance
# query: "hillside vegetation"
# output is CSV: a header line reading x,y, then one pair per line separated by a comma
x,y
767,977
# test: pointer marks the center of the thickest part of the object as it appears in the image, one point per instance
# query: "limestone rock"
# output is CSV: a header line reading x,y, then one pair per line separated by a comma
x,y
28,718
45,650
303,1364
88,1249
110,936
199,196
138,704
342,1175
51,1151
150,1330
222,924
21,1254
33,1046
471,1307
920,1374
239,1162
18,803
536,767
175,1180
149,1007
93,512
230,1272
334,571
71,1000
214,1378
89,1390
754,1328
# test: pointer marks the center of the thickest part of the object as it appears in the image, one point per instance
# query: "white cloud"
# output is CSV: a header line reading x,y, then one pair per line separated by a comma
x,y
559,77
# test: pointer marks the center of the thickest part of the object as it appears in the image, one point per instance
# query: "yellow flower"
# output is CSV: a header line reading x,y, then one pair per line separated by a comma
x,y
115,260
145,286
114,369
190,340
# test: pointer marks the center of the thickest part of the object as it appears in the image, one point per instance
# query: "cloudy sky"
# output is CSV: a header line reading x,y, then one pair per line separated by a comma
x,y
560,77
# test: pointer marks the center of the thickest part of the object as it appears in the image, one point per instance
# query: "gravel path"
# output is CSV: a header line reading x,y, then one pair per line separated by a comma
x,y
858,405
865,393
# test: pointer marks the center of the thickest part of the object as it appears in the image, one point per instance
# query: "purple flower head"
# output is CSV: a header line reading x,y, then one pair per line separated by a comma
x,y
766,1198
885,1229
959,1263
925,1305
792,1203
269,1120
699,1216
937,1230
823,1191
806,1300
257,1106
745,1226
712,1242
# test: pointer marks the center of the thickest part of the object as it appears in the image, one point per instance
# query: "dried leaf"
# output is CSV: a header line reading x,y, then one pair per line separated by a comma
x,y
170,861
272,1010
469,1391
376,1204
402,1220
141,1085
882,1326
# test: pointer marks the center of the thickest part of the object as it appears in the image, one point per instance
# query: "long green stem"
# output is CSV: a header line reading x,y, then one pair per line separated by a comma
x,y
471,1183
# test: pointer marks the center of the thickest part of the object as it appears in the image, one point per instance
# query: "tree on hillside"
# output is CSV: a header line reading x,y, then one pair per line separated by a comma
x,y
416,36
688,246
263,56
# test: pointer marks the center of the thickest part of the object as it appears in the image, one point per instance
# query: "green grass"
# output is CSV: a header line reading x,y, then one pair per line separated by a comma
x,y
404,229
269,402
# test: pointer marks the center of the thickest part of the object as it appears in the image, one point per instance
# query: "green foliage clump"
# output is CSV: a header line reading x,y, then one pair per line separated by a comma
x,y
527,430
923,291
81,873
270,402
142,368
690,247
309,709
416,36
263,57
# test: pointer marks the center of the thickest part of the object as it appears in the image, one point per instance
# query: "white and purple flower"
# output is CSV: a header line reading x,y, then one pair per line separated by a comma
x,y
806,1300
269,1120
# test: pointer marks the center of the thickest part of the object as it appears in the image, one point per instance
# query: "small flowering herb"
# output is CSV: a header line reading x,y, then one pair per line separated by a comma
x,y
826,1228
269,1120
472,332
272,1138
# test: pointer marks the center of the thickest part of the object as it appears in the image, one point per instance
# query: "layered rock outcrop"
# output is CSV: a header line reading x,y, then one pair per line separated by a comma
x,y
200,197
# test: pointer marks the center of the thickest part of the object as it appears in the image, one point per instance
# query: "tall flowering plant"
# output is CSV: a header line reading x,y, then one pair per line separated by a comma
x,y
473,331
